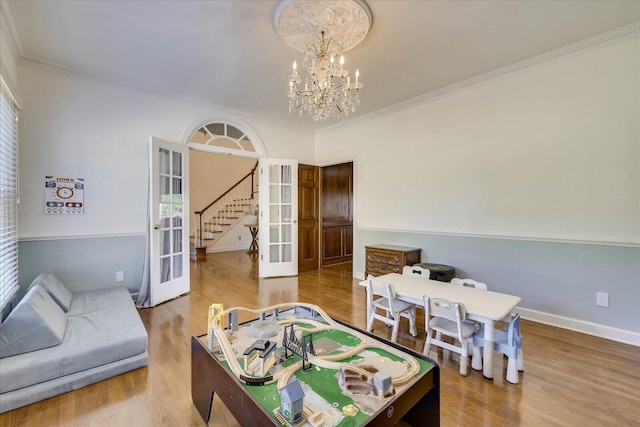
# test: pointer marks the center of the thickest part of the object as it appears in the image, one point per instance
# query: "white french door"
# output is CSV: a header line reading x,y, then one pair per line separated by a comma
x,y
278,221
169,219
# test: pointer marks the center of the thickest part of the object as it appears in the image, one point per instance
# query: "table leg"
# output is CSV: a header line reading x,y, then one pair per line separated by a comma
x,y
202,389
254,239
487,356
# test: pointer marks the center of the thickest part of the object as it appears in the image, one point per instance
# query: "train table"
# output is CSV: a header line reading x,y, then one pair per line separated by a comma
x,y
293,365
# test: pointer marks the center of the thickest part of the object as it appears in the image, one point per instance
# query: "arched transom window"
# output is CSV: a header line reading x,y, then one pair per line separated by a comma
x,y
222,136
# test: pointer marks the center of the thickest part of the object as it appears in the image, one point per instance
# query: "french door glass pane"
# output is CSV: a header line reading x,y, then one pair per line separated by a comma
x,y
163,166
274,174
286,194
286,213
165,242
165,269
177,266
274,234
164,189
177,163
274,194
286,174
274,214
177,240
177,190
274,253
286,253
286,233
165,215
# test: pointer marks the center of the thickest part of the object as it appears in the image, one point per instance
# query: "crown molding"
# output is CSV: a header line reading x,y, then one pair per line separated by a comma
x,y
621,33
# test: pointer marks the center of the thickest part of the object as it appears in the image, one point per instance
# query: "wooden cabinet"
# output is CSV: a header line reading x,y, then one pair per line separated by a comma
x,y
383,259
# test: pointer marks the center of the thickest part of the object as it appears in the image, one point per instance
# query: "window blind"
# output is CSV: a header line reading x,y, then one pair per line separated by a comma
x,y
8,196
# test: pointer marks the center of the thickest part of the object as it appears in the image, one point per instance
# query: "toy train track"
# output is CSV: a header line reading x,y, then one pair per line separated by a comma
x,y
254,380
327,361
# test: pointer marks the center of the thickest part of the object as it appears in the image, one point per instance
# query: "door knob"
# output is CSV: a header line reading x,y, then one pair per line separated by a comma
x,y
157,226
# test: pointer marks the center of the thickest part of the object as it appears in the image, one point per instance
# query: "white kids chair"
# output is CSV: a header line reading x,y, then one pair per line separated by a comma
x,y
508,343
393,307
416,270
469,283
449,320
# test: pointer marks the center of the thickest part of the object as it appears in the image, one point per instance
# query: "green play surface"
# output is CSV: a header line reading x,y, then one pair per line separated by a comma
x,y
324,381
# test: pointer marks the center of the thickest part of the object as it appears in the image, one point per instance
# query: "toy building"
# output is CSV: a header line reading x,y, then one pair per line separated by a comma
x,y
260,357
291,403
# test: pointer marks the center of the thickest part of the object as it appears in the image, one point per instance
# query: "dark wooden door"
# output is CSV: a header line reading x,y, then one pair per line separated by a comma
x,y
337,213
308,217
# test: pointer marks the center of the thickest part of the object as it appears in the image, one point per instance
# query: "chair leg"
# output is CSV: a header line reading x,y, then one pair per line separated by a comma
x,y
394,333
476,358
427,344
512,371
464,363
370,321
412,321
520,360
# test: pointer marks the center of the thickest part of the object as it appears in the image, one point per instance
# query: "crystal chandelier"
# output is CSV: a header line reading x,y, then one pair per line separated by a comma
x,y
328,90
323,30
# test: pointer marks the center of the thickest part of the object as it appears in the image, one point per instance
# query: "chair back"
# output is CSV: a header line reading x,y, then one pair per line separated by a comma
x,y
378,288
416,270
514,337
469,283
438,307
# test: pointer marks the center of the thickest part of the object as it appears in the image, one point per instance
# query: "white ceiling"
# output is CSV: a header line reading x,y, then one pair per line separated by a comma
x,y
228,53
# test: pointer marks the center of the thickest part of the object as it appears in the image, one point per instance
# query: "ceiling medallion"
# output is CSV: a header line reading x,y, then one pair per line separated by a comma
x,y
322,30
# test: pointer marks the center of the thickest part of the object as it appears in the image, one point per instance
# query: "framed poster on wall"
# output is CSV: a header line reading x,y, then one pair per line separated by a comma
x,y
63,196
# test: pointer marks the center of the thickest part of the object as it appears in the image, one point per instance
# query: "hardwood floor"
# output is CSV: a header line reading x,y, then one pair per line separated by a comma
x,y
570,379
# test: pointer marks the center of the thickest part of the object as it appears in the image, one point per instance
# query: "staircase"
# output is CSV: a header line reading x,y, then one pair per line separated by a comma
x,y
222,214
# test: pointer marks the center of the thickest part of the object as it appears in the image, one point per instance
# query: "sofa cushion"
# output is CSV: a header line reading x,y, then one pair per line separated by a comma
x,y
103,299
37,322
90,340
55,288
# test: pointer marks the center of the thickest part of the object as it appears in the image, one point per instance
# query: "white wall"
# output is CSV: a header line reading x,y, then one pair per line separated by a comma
x,y
8,56
81,127
546,159
547,152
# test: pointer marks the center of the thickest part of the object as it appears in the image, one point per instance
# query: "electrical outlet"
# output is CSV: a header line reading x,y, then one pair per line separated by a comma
x,y
119,276
602,299
239,237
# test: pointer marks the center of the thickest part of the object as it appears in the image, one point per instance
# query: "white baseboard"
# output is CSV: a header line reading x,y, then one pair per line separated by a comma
x,y
212,250
589,328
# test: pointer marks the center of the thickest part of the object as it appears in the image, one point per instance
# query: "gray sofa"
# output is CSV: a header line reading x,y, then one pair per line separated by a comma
x,y
54,341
